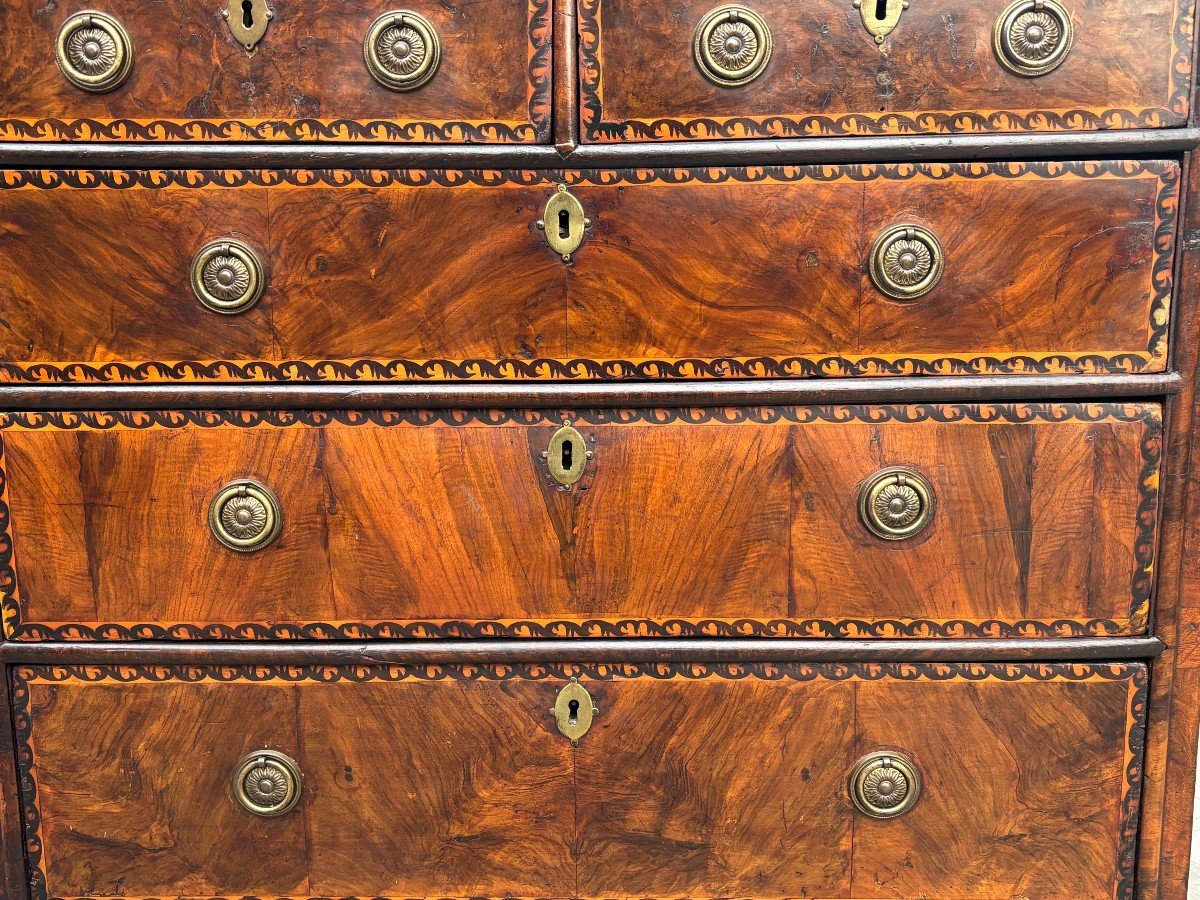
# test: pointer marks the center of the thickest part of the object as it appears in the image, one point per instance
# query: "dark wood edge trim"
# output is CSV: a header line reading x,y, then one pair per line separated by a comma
x,y
795,151
581,651
14,879
554,395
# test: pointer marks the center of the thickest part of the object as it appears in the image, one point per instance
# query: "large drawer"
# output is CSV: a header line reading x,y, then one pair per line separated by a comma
x,y
699,69
693,781
1017,268
954,520
455,71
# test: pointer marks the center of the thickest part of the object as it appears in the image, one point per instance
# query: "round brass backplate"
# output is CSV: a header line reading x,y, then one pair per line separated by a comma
x,y
732,45
402,50
884,785
267,783
1033,37
245,516
94,52
895,504
227,277
906,262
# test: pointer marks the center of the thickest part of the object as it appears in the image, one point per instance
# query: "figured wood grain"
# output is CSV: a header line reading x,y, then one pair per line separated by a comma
x,y
936,72
408,275
695,780
446,526
306,80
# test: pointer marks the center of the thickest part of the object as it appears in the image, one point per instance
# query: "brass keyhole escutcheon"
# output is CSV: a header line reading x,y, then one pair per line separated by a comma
x,y
567,456
884,785
564,223
248,20
880,17
574,710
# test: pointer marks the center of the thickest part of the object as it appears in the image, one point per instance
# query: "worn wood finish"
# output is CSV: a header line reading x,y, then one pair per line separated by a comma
x,y
420,275
306,80
482,793
1045,523
1130,67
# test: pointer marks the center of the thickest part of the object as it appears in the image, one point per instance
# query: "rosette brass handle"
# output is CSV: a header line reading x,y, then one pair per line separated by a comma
x,y
906,262
227,277
402,50
732,45
884,785
895,504
94,52
267,783
245,516
1033,37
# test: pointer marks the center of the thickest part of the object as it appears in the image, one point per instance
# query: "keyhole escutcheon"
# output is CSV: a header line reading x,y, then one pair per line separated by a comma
x,y
880,17
567,456
574,710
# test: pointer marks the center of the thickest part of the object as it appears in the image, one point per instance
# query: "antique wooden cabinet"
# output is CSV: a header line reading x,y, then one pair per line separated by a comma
x,y
598,448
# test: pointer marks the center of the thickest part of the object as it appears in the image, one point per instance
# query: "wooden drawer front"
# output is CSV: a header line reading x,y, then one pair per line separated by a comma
x,y
937,71
730,522
307,79
694,781
684,273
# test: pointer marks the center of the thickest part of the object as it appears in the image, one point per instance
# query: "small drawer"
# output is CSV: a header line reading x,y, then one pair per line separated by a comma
x,y
689,780
791,271
455,71
703,69
928,520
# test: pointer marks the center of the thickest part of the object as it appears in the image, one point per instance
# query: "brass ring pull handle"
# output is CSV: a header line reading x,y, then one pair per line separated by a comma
x,y
1033,37
402,50
267,783
245,516
227,277
732,45
895,504
906,262
94,52
884,785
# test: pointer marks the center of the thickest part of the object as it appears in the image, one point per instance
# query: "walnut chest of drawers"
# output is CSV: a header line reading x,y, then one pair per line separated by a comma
x,y
598,448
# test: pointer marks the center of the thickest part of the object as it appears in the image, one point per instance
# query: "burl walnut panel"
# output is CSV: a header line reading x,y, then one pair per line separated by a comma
x,y
694,781
685,273
1130,67
306,80
686,521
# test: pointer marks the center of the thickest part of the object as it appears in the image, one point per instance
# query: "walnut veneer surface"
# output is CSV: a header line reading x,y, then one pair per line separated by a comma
x,y
598,448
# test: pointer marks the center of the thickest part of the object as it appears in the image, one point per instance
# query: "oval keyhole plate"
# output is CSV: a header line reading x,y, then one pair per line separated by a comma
x,y
563,223
567,456
574,710
248,20
880,17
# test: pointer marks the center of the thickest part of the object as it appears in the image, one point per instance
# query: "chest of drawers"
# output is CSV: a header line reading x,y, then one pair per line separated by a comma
x,y
598,448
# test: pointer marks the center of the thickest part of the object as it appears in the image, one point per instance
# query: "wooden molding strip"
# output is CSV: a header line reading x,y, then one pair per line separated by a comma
x,y
582,651
794,151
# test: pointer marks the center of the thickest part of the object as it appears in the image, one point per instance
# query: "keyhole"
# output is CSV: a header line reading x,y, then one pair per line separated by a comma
x,y
247,14
568,457
573,712
564,224
881,9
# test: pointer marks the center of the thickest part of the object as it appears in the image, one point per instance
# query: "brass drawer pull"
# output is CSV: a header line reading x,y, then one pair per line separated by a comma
x,y
906,262
245,516
227,277
94,52
574,710
567,456
895,504
267,783
1033,37
732,45
402,50
884,785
